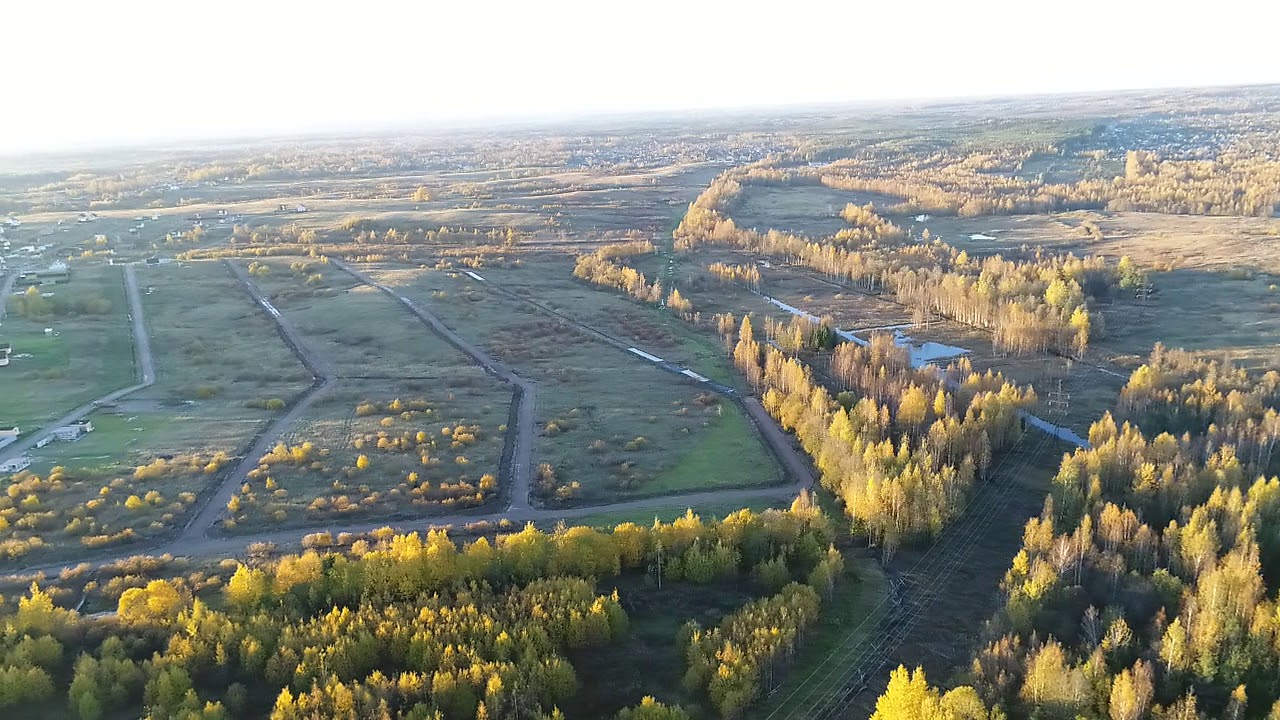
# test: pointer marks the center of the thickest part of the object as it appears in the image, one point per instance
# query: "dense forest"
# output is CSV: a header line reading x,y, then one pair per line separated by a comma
x,y
410,626
1147,587
900,446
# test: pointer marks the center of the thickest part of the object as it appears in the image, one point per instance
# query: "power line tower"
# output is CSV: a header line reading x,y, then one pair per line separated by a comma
x,y
1059,399
1143,297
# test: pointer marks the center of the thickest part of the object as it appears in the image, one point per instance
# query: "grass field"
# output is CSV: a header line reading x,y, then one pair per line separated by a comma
x,y
215,353
211,341
87,354
549,280
812,210
607,520
358,329
431,452
608,421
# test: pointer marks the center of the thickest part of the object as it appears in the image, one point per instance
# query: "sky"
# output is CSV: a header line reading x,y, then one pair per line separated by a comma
x,y
84,73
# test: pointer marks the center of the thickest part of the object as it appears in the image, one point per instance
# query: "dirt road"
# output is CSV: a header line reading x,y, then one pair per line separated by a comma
x,y
193,541
143,364
525,389
214,504
795,463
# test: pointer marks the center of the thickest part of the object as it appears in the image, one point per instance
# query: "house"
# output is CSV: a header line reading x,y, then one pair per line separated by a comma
x,y
12,221
6,349
8,436
980,236
74,431
57,272
18,464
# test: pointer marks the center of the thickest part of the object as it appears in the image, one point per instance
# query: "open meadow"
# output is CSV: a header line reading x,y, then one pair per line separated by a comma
x,y
610,425
70,343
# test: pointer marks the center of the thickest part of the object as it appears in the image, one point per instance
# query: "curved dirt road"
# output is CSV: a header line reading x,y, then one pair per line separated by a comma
x,y
144,363
525,393
193,541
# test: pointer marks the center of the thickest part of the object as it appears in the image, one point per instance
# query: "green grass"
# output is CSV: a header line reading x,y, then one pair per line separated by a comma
x,y
807,209
210,339
595,400
648,662
86,357
850,616
357,328
727,450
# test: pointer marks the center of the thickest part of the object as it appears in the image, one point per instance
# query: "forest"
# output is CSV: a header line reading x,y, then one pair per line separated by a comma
x,y
901,447
1147,586
412,626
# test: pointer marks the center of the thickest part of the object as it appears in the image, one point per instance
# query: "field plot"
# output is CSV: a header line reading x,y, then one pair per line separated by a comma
x,y
549,281
355,328
382,450
68,348
103,500
211,341
1151,239
811,210
611,425
1234,314
221,371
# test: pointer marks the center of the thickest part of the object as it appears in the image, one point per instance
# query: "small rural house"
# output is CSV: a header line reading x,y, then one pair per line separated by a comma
x,y
74,431
18,464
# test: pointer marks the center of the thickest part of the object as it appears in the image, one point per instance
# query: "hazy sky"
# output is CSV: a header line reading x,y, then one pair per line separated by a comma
x,y
86,72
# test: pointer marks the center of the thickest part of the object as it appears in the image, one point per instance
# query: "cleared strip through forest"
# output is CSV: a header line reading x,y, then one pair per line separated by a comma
x,y
853,665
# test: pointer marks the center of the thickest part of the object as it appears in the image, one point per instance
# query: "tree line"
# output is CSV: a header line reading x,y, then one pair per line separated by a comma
x,y
401,626
1030,305
599,268
897,445
1145,589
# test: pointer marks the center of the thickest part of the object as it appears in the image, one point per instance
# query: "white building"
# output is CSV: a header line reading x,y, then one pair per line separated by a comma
x,y
74,431
18,464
